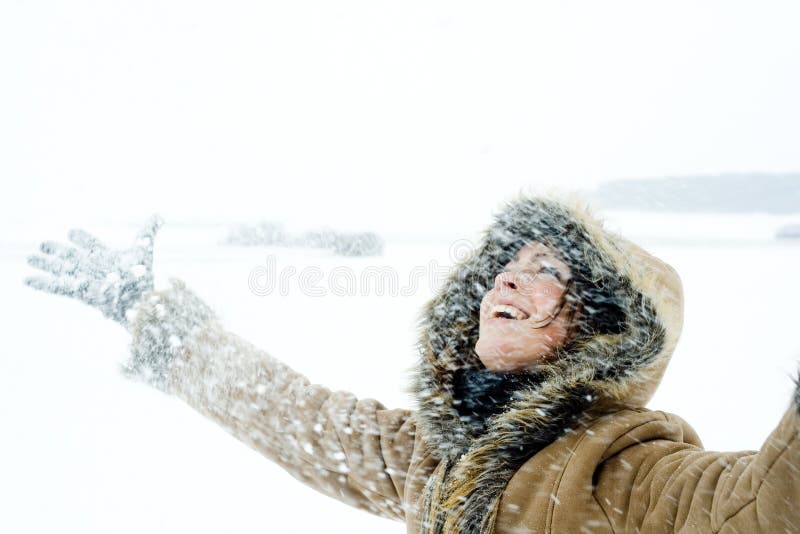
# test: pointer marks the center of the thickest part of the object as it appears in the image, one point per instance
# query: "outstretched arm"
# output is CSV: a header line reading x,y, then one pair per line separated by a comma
x,y
681,487
354,450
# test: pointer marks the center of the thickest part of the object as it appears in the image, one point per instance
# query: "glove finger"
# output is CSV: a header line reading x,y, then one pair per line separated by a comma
x,y
148,232
56,286
146,241
86,240
93,251
61,251
50,264
74,259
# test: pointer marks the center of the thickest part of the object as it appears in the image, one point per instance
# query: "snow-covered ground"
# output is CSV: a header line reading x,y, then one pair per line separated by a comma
x,y
84,450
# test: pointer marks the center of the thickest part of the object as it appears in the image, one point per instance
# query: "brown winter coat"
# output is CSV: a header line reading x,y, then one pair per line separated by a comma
x,y
574,451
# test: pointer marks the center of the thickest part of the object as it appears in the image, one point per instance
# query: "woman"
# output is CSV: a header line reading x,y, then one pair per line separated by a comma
x,y
537,357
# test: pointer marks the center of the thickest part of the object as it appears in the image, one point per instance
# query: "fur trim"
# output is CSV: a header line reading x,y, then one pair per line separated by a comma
x,y
796,397
480,451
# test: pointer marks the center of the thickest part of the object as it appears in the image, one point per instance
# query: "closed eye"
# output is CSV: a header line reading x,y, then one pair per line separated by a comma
x,y
546,269
551,271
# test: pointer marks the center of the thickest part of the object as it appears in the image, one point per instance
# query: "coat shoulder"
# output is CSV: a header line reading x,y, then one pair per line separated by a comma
x,y
565,474
590,444
626,428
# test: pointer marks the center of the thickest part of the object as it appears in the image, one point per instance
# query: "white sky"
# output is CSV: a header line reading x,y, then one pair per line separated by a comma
x,y
395,116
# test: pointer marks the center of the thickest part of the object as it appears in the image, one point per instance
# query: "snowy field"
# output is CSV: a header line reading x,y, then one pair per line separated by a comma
x,y
86,451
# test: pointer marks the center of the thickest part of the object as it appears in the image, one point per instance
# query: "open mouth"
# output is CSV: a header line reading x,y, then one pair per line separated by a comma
x,y
503,311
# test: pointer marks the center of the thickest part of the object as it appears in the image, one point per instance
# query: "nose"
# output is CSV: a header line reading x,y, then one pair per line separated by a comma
x,y
505,280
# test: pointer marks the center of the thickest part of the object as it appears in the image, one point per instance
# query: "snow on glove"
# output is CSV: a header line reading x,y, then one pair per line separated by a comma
x,y
110,280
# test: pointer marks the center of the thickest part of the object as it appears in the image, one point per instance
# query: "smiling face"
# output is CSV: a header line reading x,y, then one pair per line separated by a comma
x,y
524,317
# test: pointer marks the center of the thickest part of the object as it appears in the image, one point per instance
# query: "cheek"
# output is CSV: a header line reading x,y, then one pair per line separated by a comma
x,y
523,338
484,308
521,335
508,337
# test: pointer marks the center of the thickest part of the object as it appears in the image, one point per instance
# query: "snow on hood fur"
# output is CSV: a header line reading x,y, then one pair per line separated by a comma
x,y
483,425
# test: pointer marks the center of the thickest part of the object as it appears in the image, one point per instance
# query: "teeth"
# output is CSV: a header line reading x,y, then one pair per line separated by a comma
x,y
516,313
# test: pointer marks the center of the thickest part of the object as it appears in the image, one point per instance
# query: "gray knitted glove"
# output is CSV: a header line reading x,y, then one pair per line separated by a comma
x,y
110,280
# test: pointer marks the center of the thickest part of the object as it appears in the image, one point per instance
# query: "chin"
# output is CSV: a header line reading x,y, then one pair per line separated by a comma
x,y
504,357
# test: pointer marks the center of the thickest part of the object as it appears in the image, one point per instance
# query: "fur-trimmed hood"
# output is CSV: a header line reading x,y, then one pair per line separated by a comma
x,y
484,426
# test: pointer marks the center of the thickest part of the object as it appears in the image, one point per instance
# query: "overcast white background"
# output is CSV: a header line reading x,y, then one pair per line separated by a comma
x,y
412,119
403,114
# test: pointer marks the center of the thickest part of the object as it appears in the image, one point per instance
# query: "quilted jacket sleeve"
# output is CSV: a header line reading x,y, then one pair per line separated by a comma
x,y
674,486
354,450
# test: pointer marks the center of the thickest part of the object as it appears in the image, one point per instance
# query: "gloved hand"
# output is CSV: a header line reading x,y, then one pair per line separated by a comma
x,y
110,280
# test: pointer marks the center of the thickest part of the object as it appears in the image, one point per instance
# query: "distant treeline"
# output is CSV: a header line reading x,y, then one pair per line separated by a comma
x,y
269,233
727,193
